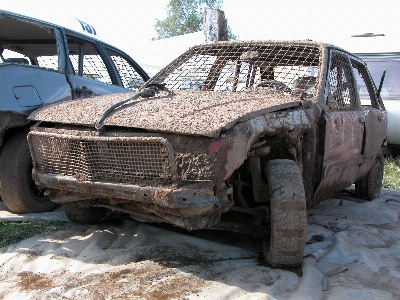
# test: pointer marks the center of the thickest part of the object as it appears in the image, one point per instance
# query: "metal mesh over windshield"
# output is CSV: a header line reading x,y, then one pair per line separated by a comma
x,y
233,66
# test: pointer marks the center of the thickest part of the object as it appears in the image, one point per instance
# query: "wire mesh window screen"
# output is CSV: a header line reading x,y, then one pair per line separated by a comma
x,y
130,78
341,83
48,61
93,67
237,67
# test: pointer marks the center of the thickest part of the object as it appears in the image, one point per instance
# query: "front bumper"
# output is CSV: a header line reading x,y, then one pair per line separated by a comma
x,y
193,206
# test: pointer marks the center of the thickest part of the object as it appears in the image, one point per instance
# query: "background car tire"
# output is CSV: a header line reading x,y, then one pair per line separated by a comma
x,y
18,190
369,187
84,215
288,214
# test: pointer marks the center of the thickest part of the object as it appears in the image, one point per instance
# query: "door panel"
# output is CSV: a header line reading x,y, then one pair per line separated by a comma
x,y
342,152
91,74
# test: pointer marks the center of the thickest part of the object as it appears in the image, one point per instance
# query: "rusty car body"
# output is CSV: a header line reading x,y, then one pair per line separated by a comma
x,y
254,131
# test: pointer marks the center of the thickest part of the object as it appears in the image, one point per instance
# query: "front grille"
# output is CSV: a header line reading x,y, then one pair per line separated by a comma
x,y
104,159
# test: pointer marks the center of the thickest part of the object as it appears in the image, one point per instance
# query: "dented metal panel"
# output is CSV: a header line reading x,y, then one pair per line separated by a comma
x,y
184,112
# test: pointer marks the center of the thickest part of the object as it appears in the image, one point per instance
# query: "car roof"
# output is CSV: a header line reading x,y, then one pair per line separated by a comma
x,y
21,27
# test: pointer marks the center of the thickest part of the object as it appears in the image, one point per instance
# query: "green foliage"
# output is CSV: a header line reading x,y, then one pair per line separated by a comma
x,y
13,232
391,175
185,16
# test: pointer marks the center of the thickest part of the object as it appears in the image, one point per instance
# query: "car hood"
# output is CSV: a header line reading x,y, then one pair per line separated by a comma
x,y
205,113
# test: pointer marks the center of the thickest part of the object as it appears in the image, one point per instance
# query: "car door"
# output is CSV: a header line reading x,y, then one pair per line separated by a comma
x,y
91,71
374,114
343,128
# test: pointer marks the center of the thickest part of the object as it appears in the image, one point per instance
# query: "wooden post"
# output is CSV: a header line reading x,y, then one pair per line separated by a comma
x,y
215,25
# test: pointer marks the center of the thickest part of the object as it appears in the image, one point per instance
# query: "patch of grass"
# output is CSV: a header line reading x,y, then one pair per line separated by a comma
x,y
391,174
13,232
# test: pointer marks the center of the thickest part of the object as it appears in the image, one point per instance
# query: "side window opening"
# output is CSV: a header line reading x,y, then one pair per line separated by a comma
x,y
22,49
341,94
364,87
87,62
129,76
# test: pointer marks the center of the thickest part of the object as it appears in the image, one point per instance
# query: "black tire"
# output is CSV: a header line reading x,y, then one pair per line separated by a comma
x,y
287,241
17,188
84,215
369,187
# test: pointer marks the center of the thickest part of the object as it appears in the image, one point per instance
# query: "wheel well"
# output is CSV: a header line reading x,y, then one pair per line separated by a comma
x,y
10,132
242,179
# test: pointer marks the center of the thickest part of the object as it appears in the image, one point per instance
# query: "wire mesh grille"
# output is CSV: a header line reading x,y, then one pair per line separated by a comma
x,y
341,88
290,68
107,160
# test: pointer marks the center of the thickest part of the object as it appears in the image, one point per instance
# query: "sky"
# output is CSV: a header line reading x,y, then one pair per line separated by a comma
x,y
129,25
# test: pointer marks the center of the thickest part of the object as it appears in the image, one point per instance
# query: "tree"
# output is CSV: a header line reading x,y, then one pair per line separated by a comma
x,y
185,16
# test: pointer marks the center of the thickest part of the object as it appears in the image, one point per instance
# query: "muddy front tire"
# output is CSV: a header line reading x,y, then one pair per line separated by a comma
x,y
17,188
369,187
84,215
286,243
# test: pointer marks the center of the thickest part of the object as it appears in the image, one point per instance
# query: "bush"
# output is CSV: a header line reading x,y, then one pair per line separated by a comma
x,y
391,174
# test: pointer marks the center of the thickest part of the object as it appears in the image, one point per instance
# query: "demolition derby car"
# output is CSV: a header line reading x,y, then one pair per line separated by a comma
x,y
233,135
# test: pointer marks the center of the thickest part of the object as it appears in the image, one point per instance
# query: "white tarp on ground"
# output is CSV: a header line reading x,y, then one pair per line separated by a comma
x,y
353,253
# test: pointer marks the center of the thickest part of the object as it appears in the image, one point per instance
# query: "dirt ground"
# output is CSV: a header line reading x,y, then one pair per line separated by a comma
x,y
352,253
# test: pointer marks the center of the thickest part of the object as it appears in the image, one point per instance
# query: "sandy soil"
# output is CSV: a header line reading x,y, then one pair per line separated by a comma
x,y
352,253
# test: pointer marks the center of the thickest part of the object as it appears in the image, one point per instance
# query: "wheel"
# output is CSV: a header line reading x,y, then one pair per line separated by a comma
x,y
287,241
369,187
84,215
17,188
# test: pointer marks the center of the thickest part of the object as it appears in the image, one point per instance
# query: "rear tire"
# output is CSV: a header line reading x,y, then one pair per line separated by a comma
x,y
84,215
288,214
369,187
17,188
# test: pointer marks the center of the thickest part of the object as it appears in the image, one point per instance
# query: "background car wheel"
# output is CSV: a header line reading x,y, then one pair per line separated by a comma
x,y
18,190
84,215
286,244
369,187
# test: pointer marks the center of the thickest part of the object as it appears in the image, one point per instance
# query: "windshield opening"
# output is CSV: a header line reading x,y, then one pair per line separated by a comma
x,y
282,68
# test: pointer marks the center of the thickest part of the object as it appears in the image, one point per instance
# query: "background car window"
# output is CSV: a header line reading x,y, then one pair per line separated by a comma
x,y
48,61
391,84
341,93
86,61
28,52
129,76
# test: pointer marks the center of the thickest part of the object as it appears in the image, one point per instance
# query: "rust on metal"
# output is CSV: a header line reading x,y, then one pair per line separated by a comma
x,y
189,156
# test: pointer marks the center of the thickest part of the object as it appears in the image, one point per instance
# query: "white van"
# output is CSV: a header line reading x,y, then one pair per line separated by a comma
x,y
381,51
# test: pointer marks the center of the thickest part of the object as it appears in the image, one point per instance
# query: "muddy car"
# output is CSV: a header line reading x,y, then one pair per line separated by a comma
x,y
42,63
241,136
